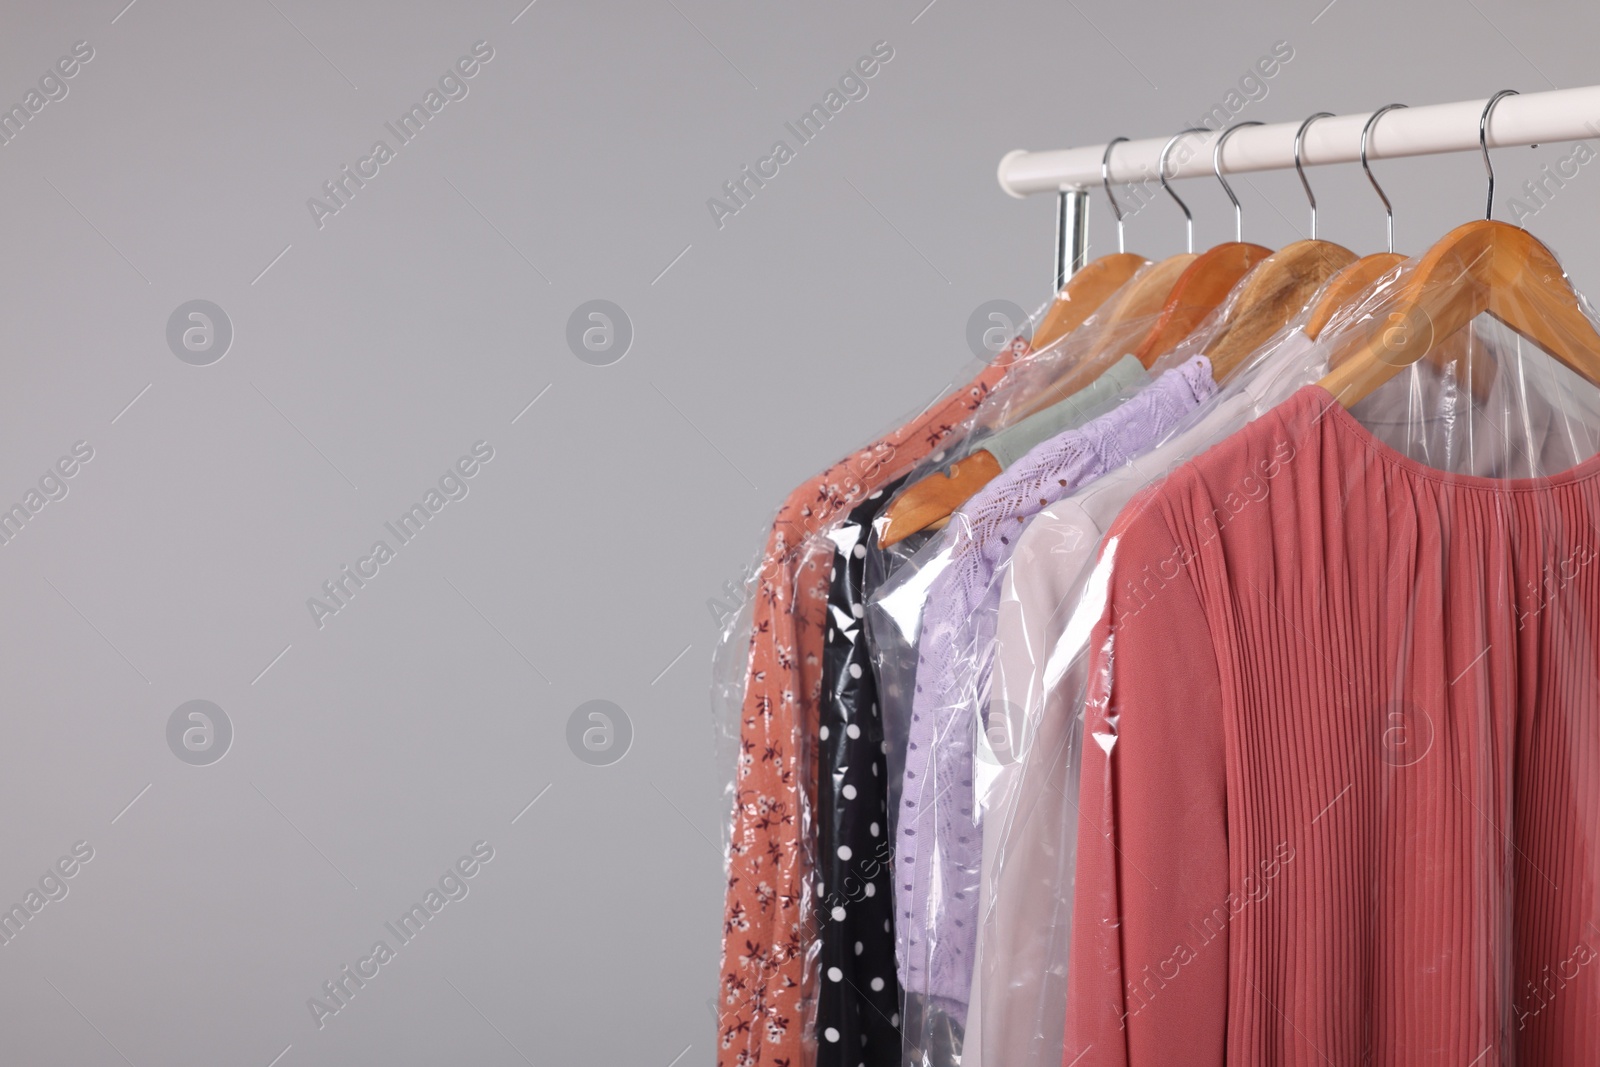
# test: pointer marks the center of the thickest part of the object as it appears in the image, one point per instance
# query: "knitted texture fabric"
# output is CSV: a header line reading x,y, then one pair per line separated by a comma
x,y
939,848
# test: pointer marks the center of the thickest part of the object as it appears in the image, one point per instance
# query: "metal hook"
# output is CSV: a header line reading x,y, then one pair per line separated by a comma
x,y
1365,132
1105,181
1216,168
1483,143
1299,140
1162,174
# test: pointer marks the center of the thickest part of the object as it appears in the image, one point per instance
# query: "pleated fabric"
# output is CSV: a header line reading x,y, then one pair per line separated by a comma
x,y
1341,780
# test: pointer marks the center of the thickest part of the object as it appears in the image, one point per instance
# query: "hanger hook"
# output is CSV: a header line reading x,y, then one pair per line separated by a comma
x,y
1216,168
1105,181
1483,143
1299,140
1366,131
1162,174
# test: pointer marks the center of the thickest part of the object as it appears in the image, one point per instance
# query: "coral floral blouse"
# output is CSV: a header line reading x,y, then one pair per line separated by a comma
x,y
768,930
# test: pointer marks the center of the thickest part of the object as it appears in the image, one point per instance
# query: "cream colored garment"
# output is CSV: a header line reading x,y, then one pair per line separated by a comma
x,y
1025,775
1028,757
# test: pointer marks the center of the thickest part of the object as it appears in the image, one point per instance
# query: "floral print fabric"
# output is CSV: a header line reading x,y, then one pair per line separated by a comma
x,y
767,990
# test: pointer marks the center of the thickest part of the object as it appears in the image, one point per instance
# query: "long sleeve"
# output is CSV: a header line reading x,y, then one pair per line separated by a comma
x,y
940,849
1152,843
1030,828
768,929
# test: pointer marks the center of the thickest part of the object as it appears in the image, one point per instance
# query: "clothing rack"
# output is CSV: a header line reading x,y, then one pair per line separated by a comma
x,y
1534,118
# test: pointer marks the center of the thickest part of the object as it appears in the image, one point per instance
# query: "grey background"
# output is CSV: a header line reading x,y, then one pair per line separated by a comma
x,y
370,754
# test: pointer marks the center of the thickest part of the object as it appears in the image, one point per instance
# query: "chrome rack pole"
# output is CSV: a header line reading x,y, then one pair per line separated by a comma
x,y
1072,233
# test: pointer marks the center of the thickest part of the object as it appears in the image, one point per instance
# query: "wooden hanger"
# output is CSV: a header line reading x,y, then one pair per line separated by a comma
x,y
1271,297
929,503
1130,303
1278,290
1085,292
1352,283
1202,287
1349,286
1454,355
1141,298
1146,297
1356,281
1459,273
1206,283
935,498
1482,266
939,495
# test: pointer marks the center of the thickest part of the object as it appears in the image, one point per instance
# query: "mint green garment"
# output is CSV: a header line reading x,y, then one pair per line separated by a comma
x,y
1094,399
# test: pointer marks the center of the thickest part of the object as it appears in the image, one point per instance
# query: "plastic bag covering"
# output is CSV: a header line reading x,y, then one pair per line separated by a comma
x,y
858,1006
893,618
936,884
766,688
939,846
1024,782
767,681
1340,776
1026,756
933,1032
892,624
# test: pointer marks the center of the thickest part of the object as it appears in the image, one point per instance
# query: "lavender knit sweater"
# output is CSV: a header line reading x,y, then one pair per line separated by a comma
x,y
940,848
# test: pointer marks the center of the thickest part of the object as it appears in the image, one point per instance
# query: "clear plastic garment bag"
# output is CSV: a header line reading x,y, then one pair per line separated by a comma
x,y
1292,757
769,694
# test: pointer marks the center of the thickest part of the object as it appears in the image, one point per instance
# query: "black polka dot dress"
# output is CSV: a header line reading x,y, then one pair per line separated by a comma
x,y
858,1009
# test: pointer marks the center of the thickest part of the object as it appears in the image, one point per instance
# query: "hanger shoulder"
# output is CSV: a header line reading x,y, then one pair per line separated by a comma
x,y
1482,266
1348,286
1141,298
1441,295
1197,292
1473,364
1529,292
1384,347
1149,292
1084,294
936,497
1270,297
